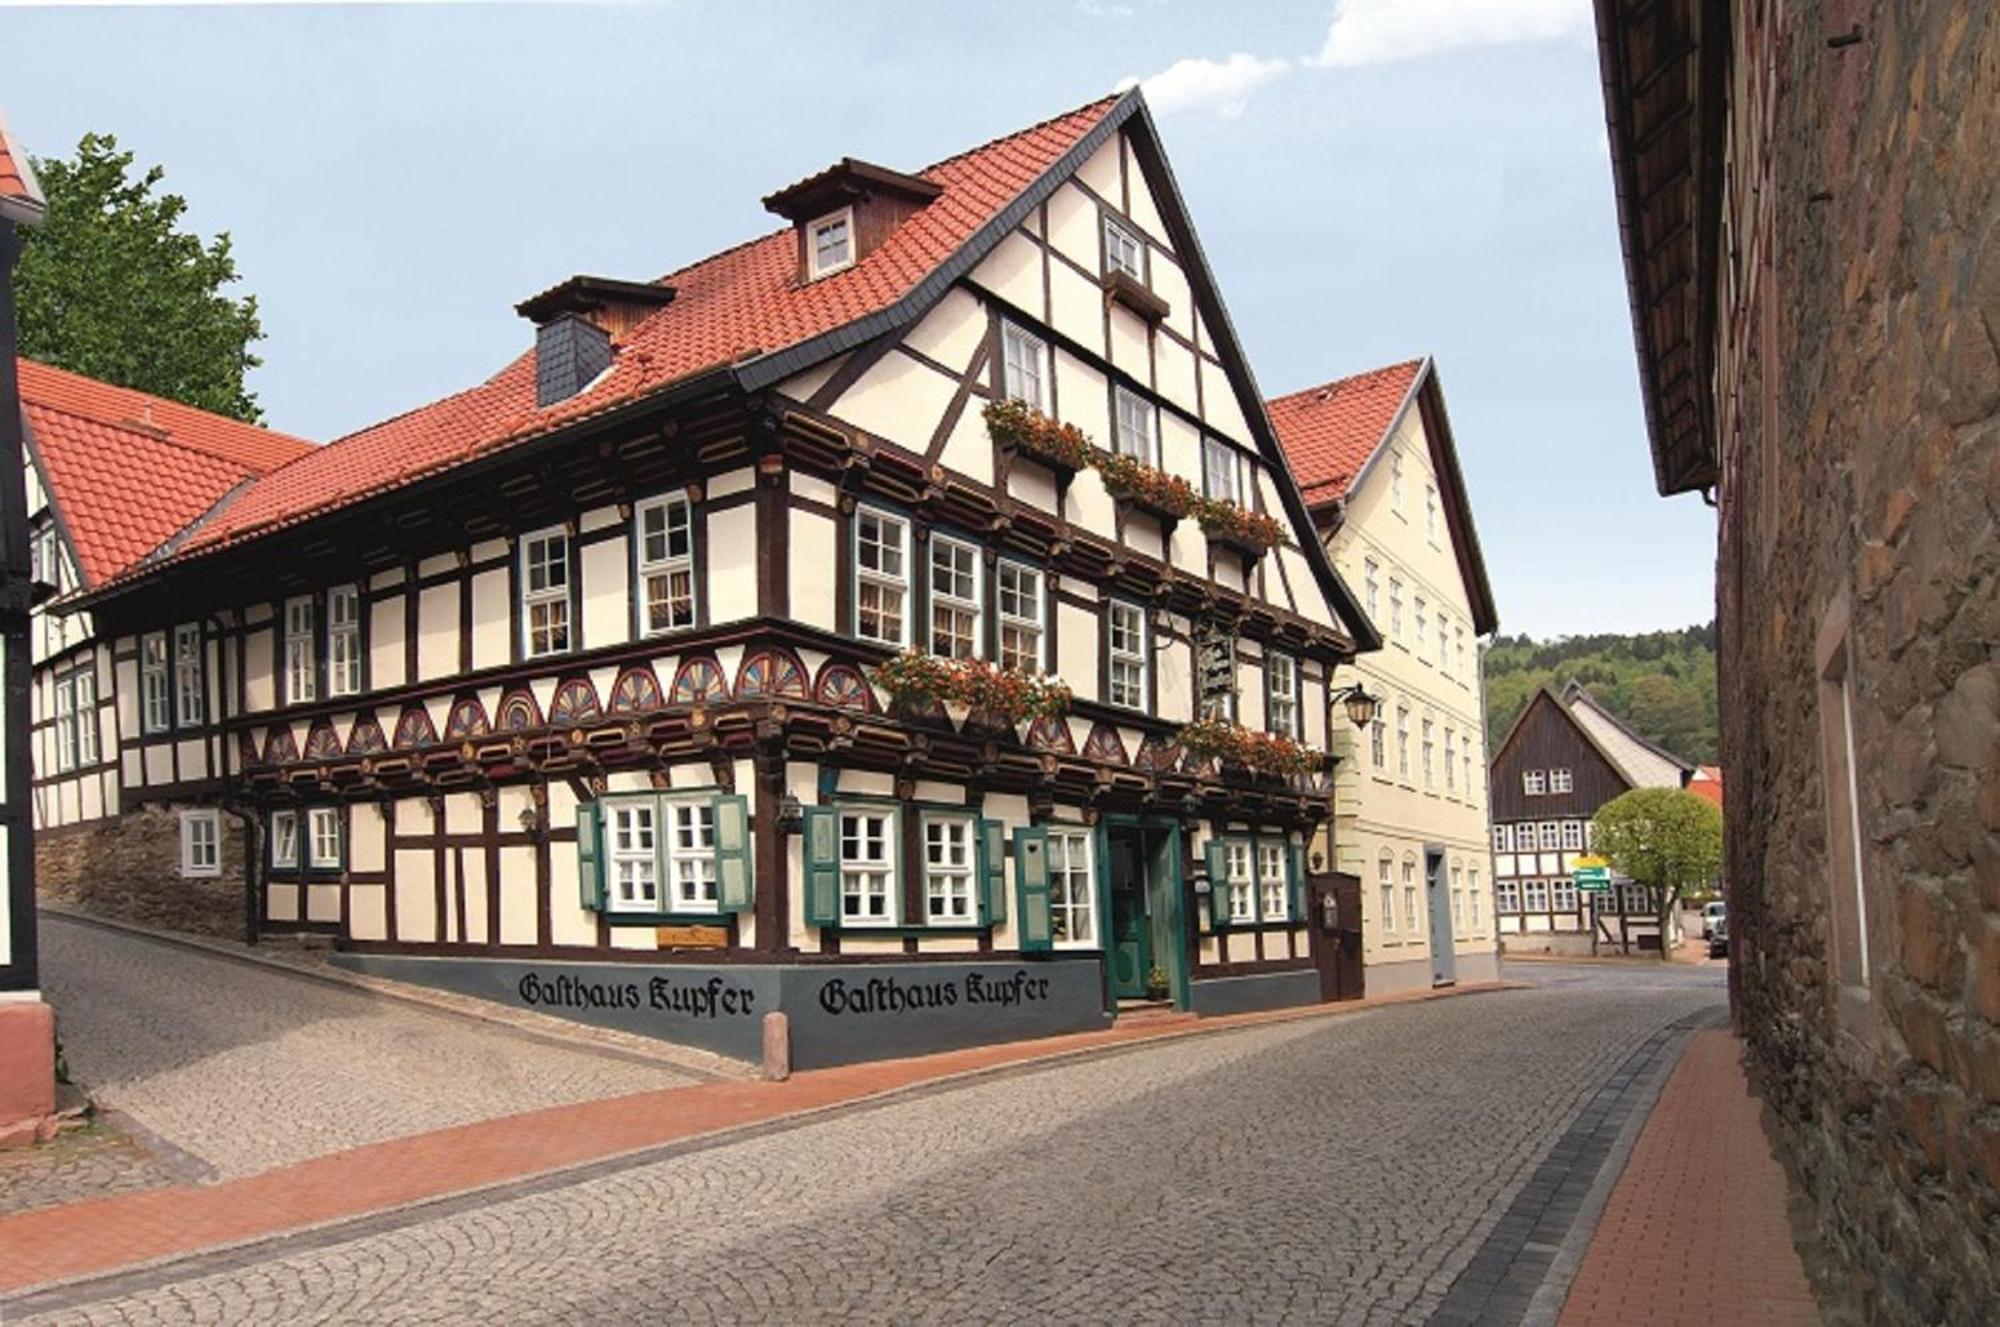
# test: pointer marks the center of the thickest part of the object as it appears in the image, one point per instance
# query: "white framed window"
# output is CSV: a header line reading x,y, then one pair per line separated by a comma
x,y
1450,761
1551,836
1562,894
632,852
156,701
1559,781
1024,359
201,843
1431,512
664,534
1635,898
881,577
43,563
1023,611
188,697
1136,430
1218,469
830,243
1395,608
1072,890
1506,896
1281,680
1396,480
1472,894
1410,895
1573,835
867,867
301,651
1403,741
1378,729
84,683
323,837
343,641
1385,884
691,855
1458,899
1430,751
1420,619
1274,886
1125,630
1444,647
1535,895
545,624
1459,632
1123,252
66,723
1239,885
958,613
1533,782
1465,759
285,838
1503,838
1371,580
948,866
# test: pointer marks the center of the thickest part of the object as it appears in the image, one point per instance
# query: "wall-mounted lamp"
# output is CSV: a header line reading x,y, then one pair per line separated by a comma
x,y
1360,705
791,815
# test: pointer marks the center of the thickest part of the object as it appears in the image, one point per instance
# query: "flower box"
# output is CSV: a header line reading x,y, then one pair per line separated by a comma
x,y
1250,533
1261,753
1063,448
1155,492
916,681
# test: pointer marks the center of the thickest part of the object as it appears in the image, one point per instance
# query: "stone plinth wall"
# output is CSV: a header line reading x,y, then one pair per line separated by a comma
x,y
1863,463
129,867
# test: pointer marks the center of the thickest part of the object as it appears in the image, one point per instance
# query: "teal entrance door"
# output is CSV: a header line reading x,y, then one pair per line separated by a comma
x,y
1130,935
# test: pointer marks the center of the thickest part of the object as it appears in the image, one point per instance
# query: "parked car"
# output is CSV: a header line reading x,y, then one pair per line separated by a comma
x,y
1711,917
1718,938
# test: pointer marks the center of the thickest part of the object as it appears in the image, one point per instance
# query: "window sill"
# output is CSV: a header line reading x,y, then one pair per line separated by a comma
x,y
903,932
615,918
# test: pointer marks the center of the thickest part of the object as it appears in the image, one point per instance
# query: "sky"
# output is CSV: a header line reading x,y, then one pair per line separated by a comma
x,y
1372,180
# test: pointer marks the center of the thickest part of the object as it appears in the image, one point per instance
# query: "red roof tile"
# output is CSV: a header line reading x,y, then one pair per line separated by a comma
x,y
1329,432
1706,782
130,470
20,195
735,306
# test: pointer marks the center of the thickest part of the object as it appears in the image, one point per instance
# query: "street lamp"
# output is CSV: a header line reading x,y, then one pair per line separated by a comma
x,y
1360,705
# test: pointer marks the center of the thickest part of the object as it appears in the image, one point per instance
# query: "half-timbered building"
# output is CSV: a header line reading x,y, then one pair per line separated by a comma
x,y
1375,458
1565,756
812,630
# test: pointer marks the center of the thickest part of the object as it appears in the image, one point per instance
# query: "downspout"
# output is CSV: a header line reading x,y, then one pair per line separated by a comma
x,y
17,675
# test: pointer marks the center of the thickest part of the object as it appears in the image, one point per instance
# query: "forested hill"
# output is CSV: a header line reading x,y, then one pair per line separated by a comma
x,y
1662,683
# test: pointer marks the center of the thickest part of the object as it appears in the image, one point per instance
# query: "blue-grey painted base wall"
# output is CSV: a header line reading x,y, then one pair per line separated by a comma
x,y
1264,990
839,1014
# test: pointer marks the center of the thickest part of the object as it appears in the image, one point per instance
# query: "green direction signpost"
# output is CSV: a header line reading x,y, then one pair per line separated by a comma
x,y
1592,874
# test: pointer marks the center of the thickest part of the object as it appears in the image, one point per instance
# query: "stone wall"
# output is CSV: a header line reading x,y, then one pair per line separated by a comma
x,y
129,867
1874,473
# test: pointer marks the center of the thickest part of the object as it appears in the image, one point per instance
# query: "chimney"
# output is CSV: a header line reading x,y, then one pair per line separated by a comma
x,y
845,212
576,324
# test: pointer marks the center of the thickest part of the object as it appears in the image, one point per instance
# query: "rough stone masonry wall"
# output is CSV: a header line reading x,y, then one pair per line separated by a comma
x,y
128,867
1887,482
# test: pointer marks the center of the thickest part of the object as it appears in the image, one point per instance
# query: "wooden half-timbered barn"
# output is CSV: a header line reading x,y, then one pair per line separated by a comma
x,y
1564,757
903,621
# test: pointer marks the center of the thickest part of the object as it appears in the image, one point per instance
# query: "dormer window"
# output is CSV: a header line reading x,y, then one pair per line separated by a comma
x,y
830,243
1122,252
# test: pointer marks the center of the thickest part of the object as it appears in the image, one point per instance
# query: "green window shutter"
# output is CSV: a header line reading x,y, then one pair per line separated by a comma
x,y
590,876
822,851
1295,860
1218,885
992,872
1031,881
732,851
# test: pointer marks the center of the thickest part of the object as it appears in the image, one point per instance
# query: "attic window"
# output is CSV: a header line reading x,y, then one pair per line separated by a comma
x,y
1122,252
830,243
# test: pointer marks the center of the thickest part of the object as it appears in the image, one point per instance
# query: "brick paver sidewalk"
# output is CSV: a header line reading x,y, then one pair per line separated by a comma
x,y
84,1238
1695,1231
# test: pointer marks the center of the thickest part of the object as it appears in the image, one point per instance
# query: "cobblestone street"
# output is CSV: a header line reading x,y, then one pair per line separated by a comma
x,y
238,1068
1328,1170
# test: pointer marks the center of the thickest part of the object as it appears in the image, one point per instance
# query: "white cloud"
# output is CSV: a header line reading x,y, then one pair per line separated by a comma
x,y
1366,32
1219,86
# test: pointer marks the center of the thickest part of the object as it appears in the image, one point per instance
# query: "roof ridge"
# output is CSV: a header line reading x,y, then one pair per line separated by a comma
x,y
89,383
1415,363
139,429
1023,132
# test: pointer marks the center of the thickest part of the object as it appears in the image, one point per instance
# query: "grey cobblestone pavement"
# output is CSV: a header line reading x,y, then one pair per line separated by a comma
x,y
1341,1170
242,1068
83,1163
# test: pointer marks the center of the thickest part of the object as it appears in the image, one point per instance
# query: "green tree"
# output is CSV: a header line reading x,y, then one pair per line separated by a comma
x,y
1668,712
108,286
1665,838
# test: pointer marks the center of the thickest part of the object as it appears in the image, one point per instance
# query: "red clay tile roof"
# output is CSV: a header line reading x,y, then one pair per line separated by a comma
x,y
1329,432
730,308
130,470
17,181
1706,782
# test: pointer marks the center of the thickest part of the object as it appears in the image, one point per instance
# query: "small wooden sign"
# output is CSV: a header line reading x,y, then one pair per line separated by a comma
x,y
692,937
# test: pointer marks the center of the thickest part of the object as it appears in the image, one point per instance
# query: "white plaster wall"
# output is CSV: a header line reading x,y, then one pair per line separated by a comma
x,y
732,564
